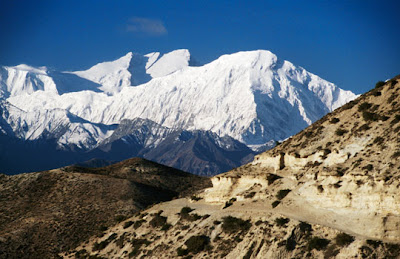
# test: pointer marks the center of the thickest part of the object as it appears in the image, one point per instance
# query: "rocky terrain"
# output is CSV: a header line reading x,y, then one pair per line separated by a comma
x,y
329,191
45,213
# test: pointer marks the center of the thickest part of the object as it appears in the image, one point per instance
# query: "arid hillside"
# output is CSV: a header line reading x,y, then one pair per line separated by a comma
x,y
45,213
329,191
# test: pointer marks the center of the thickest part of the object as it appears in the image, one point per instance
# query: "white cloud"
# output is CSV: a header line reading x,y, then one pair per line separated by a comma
x,y
151,27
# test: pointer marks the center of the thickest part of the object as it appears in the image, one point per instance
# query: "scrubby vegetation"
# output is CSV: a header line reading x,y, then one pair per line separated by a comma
x,y
370,116
128,224
158,221
184,214
396,119
229,203
196,244
233,225
138,223
317,243
396,154
103,244
281,221
342,239
334,120
379,84
120,218
364,106
368,167
195,198
340,132
137,244
186,210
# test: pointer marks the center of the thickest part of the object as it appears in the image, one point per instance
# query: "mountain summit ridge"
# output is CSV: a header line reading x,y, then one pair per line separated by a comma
x,y
251,96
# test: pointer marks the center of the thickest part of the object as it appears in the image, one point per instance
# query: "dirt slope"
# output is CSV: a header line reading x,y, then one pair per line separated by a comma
x,y
329,191
44,213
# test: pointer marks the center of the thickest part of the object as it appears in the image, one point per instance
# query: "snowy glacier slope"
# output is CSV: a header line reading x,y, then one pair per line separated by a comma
x,y
67,129
251,96
134,69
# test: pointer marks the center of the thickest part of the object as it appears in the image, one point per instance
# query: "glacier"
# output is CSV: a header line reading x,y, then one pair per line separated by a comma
x,y
251,96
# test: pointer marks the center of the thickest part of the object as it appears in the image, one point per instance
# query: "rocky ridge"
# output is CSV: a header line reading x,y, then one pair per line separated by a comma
x,y
45,213
329,191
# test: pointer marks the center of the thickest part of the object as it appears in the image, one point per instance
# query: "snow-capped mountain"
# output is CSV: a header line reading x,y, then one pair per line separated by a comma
x,y
134,69
252,97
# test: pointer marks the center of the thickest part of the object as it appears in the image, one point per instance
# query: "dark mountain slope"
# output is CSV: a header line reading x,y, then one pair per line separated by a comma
x,y
44,213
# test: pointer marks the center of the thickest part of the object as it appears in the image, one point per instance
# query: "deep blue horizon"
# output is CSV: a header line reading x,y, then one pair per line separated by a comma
x,y
352,44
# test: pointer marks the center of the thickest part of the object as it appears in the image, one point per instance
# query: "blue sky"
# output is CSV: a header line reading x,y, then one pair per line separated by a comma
x,y
350,43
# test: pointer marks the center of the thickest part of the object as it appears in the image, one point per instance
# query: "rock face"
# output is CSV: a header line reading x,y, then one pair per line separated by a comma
x,y
199,152
45,213
343,166
329,191
252,97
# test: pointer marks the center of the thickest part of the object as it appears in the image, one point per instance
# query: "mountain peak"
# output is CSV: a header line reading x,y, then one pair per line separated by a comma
x,y
250,96
263,58
36,70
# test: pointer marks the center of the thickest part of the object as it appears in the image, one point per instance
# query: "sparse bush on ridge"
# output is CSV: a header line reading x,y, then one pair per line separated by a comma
x,y
186,210
377,93
368,167
138,223
364,106
379,140
229,203
137,244
364,127
196,244
250,195
396,154
233,225
103,228
189,217
195,198
317,243
158,221
103,244
331,251
343,239
379,84
334,120
374,243
340,132
166,226
281,221
370,116
181,252
396,119
305,227
128,224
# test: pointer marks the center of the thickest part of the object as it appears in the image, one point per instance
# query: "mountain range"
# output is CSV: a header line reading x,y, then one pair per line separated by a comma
x,y
163,107
329,191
